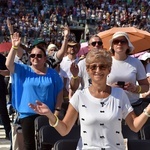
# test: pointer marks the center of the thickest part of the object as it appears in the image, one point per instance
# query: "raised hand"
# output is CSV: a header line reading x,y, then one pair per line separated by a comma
x,y
66,31
16,39
74,69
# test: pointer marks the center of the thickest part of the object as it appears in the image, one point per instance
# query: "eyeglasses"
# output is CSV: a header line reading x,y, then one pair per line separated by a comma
x,y
36,55
95,66
119,41
98,42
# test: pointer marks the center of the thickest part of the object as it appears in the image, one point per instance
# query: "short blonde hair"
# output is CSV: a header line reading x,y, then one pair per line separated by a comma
x,y
100,55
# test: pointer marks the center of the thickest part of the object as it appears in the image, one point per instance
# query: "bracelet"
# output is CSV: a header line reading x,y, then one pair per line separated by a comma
x,y
75,77
15,47
146,113
140,89
56,123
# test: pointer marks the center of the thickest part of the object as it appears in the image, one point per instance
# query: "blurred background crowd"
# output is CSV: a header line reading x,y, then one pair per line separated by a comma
x,y
45,18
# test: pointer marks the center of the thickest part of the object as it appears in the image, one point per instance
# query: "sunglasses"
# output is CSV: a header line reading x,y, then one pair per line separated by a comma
x,y
98,42
36,55
100,66
120,41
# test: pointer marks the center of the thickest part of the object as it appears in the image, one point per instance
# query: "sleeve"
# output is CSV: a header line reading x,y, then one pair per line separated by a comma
x,y
74,101
80,65
141,73
126,105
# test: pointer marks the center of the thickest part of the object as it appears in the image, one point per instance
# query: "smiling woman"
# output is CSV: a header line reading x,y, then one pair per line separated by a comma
x,y
31,83
126,68
99,107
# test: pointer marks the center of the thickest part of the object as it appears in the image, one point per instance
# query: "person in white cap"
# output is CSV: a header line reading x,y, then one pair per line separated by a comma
x,y
51,49
145,59
126,70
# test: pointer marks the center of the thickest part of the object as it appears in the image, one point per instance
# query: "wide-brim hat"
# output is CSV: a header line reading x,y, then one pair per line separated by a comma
x,y
119,34
73,43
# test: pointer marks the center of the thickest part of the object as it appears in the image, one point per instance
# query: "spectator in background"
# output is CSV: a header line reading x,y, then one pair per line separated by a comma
x,y
80,78
51,49
29,83
3,92
126,68
72,50
145,58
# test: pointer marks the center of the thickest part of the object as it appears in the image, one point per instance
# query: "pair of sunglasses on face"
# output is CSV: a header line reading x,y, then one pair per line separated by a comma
x,y
94,67
99,43
36,55
120,41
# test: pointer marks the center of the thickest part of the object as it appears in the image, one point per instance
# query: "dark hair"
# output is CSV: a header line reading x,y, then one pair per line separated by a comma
x,y
42,49
93,36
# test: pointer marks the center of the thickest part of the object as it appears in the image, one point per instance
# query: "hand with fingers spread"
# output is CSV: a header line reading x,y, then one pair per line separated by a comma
x,y
74,69
66,31
40,108
16,39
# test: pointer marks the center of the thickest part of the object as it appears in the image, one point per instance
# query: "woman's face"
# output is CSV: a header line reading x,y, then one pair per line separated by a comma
x,y
120,45
98,71
37,57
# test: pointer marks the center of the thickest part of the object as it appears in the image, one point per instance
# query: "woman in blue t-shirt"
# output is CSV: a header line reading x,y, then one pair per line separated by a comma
x,y
31,83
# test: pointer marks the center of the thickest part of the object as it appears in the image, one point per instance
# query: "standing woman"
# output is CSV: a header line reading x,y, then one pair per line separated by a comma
x,y
100,108
31,83
126,68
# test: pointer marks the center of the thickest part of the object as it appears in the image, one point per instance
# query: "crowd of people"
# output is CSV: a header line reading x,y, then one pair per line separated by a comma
x,y
52,73
46,17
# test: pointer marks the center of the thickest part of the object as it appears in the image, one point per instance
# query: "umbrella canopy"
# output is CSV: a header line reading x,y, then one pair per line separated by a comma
x,y
139,38
5,46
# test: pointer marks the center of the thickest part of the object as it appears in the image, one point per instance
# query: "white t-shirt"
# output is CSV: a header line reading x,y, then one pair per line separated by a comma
x,y
83,74
100,119
129,70
65,69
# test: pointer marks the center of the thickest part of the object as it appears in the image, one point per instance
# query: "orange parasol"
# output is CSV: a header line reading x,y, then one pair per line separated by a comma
x,y
139,38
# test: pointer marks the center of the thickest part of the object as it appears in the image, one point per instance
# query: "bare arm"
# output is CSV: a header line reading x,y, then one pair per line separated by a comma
x,y
59,103
60,54
75,80
64,126
11,56
11,31
4,72
135,123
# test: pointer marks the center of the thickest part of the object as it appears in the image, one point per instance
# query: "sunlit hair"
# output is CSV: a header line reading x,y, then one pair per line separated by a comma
x,y
98,55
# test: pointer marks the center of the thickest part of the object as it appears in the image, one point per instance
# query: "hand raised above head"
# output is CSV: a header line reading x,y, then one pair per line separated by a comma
x,y
16,39
40,108
66,31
